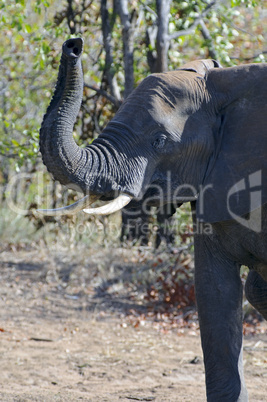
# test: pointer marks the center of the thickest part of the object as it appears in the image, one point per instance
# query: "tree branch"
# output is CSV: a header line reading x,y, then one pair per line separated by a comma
x,y
207,36
249,58
71,18
190,30
104,93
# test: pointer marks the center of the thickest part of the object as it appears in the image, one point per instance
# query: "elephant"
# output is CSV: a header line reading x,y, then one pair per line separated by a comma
x,y
195,134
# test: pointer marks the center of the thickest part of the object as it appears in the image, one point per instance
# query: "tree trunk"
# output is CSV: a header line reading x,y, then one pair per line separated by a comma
x,y
107,41
162,41
128,22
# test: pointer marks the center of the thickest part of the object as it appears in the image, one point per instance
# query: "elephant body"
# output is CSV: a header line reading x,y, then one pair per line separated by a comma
x,y
218,258
196,134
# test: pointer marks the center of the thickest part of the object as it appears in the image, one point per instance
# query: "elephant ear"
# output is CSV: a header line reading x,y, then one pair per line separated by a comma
x,y
201,66
235,183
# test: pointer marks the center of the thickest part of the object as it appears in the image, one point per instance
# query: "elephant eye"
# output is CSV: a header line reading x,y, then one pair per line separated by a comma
x,y
159,142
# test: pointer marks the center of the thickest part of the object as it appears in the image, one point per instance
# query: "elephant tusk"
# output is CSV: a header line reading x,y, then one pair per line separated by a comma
x,y
113,206
70,209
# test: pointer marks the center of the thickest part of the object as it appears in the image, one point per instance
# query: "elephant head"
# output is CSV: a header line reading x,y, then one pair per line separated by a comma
x,y
181,135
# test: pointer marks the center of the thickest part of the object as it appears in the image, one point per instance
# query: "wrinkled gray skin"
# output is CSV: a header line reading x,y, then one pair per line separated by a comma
x,y
202,126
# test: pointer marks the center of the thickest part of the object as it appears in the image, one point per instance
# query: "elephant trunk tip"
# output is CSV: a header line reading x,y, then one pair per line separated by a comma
x,y
73,47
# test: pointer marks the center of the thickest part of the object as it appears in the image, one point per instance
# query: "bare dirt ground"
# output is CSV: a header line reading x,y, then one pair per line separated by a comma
x,y
66,336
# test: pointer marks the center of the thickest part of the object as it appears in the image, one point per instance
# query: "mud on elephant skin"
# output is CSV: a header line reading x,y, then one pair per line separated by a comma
x,y
198,134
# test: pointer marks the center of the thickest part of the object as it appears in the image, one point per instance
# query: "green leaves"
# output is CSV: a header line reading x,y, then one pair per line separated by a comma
x,y
32,33
25,53
246,3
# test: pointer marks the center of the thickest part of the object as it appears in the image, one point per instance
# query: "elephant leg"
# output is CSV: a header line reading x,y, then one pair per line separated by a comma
x,y
219,300
256,292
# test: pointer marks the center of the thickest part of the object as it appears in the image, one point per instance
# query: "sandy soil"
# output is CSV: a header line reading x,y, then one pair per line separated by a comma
x,y
65,338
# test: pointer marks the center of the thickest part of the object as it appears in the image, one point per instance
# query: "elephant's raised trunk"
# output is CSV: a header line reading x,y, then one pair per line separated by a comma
x,y
59,151
87,168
